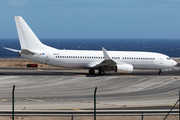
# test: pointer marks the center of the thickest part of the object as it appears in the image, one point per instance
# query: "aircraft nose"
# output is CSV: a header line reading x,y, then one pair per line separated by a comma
x,y
174,63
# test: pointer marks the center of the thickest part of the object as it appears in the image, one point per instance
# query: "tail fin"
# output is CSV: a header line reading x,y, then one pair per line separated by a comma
x,y
27,38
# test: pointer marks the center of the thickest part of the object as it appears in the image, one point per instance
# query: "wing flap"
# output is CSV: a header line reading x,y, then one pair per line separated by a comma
x,y
107,63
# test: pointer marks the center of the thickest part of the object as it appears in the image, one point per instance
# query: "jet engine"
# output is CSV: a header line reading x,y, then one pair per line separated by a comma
x,y
127,68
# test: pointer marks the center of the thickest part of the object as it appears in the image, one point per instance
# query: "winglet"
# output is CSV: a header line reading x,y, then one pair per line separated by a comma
x,y
106,56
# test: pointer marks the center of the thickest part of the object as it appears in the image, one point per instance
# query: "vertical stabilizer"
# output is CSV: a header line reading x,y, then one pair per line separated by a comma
x,y
27,38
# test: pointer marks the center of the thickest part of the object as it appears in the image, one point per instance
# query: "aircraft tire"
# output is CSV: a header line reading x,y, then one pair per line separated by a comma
x,y
101,72
160,72
91,72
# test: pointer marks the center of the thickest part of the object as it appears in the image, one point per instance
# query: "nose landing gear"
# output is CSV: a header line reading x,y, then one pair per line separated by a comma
x,y
160,72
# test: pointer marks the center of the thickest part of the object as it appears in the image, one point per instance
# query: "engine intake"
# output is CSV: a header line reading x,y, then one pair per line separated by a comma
x,y
128,68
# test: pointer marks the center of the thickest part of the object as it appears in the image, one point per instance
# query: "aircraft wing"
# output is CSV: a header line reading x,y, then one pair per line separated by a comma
x,y
23,51
107,62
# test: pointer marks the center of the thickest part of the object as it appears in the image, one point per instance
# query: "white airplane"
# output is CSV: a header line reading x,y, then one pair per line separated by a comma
x,y
118,61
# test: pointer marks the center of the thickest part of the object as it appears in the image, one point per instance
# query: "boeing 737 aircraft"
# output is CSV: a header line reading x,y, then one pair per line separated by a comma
x,y
118,61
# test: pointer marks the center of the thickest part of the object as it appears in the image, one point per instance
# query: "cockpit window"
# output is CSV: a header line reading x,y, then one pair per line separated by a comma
x,y
169,58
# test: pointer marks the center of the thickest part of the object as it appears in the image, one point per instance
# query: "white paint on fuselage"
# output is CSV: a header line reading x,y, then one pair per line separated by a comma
x,y
33,49
139,60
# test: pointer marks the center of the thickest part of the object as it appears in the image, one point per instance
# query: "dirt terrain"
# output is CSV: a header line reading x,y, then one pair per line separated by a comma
x,y
20,63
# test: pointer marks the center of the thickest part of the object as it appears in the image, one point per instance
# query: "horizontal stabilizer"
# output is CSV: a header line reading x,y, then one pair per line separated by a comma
x,y
14,50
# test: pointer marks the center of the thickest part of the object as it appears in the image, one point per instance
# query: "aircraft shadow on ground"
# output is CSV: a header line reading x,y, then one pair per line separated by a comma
x,y
61,73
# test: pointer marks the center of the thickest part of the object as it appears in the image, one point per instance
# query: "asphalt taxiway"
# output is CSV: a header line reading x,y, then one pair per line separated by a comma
x,y
65,89
174,71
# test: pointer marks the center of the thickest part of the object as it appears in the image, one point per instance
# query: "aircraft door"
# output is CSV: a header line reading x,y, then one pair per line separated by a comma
x,y
47,58
161,61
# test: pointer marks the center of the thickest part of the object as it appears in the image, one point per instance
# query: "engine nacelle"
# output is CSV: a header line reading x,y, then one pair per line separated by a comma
x,y
127,68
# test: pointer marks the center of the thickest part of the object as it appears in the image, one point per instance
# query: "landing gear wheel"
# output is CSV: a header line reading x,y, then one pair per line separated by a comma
x,y
160,72
91,72
101,72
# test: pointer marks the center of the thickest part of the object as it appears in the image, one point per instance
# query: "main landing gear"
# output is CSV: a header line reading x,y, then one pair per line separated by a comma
x,y
101,72
92,72
160,72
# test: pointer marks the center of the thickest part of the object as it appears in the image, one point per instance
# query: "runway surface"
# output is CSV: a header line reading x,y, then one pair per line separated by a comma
x,y
174,71
54,89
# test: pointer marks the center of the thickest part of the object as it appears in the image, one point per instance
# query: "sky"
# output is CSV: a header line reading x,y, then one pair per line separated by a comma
x,y
93,19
